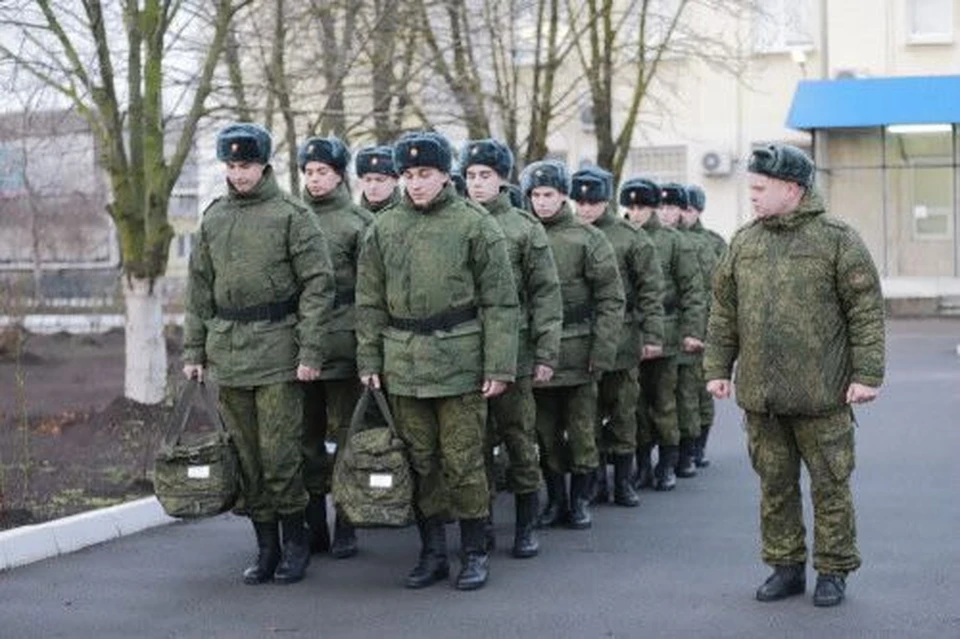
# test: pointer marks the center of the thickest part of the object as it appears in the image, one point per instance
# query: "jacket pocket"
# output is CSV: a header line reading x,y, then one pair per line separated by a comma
x,y
397,354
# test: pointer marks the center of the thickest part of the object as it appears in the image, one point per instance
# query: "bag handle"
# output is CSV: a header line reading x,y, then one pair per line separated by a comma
x,y
363,404
181,413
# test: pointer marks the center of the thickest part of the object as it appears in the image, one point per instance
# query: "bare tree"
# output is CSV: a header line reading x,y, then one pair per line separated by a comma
x,y
118,84
626,44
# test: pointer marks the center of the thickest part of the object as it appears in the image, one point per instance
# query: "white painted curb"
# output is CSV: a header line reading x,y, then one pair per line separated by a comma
x,y
27,544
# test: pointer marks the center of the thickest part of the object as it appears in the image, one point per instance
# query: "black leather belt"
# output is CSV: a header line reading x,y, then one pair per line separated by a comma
x,y
577,314
272,312
439,322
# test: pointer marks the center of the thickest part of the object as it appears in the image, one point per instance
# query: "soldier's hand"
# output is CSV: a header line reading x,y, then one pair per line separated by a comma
x,y
861,394
193,371
651,351
542,374
307,374
493,387
719,388
370,381
692,345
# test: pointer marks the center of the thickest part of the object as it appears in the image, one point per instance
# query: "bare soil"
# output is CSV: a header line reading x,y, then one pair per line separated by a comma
x,y
69,440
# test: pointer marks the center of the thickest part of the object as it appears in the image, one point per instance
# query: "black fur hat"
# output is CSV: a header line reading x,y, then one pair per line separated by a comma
x,y
375,159
487,152
330,150
545,173
639,191
591,184
244,142
674,194
422,148
783,162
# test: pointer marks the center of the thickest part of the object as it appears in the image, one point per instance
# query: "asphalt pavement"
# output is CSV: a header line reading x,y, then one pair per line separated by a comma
x,y
683,564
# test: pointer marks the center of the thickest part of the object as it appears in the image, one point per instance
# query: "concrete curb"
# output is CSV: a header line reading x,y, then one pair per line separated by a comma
x,y
28,544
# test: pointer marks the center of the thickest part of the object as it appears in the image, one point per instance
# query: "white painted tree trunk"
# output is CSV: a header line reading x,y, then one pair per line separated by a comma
x,y
145,377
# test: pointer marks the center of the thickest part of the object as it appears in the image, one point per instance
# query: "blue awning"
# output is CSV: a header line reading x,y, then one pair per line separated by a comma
x,y
867,102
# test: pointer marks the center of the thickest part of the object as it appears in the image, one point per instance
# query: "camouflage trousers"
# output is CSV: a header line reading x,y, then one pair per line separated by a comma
x,y
327,409
657,408
566,427
512,421
777,444
445,439
619,393
689,384
266,425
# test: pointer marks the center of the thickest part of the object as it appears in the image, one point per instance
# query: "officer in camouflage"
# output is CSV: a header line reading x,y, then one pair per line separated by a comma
x,y
593,306
259,291
797,305
712,248
619,389
329,402
437,325
674,201
684,307
378,178
487,164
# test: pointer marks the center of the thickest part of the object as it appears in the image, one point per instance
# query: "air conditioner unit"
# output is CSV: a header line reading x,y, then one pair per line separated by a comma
x,y
849,74
716,163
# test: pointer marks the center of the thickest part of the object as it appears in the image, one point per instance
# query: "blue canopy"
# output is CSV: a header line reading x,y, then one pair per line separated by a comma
x,y
868,102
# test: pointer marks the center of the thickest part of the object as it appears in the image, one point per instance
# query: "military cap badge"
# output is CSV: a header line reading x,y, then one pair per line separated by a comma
x,y
414,151
633,196
234,147
373,161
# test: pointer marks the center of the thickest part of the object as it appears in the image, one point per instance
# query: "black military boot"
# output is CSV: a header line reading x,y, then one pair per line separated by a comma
x,y
344,537
830,590
556,512
432,565
296,552
666,477
580,518
685,467
785,581
489,534
600,487
644,477
268,553
316,516
475,561
699,455
623,492
525,542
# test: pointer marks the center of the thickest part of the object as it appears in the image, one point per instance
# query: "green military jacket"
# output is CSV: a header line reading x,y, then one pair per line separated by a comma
x,y
418,263
254,249
798,306
642,285
538,285
684,295
379,206
343,224
593,299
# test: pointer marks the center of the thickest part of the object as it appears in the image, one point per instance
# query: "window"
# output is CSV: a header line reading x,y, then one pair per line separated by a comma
x,y
12,162
930,21
659,163
781,25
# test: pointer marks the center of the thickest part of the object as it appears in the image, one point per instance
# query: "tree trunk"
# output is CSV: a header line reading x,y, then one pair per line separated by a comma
x,y
146,350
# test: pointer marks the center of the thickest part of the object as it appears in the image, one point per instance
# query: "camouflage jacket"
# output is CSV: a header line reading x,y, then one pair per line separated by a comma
x,y
343,224
538,285
593,299
684,295
642,286
420,263
797,305
254,249
379,206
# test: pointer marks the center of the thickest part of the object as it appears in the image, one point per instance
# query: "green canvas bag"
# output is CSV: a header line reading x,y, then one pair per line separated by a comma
x,y
200,476
372,480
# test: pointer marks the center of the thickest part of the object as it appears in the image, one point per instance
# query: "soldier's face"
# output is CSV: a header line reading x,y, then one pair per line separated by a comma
x,y
639,215
689,216
483,183
424,183
669,214
546,201
244,176
377,187
590,212
320,178
770,196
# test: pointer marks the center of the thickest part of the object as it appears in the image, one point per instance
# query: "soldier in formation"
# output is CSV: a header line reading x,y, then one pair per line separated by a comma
x,y
260,290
